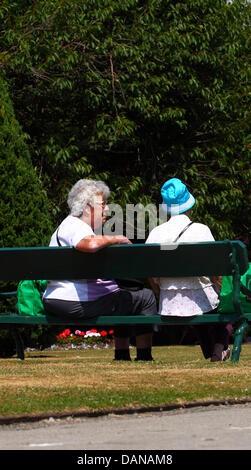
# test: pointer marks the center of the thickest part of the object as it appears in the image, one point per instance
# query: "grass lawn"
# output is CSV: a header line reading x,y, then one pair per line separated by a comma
x,y
56,381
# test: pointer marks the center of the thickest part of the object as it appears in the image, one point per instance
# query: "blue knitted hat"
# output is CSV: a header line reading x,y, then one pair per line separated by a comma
x,y
176,197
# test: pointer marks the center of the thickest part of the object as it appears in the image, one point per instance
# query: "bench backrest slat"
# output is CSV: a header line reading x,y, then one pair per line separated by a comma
x,y
136,261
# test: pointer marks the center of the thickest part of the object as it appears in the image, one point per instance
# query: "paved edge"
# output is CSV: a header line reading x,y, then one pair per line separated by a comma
x,y
33,417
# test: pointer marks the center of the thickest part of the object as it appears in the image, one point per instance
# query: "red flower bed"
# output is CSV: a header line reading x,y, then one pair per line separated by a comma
x,y
90,337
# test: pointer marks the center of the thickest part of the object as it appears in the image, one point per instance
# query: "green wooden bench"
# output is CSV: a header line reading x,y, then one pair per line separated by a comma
x,y
129,261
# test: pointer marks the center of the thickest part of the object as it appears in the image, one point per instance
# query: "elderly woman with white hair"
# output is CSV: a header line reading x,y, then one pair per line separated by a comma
x,y
88,298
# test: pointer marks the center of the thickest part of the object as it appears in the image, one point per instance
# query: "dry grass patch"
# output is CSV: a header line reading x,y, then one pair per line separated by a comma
x,y
65,380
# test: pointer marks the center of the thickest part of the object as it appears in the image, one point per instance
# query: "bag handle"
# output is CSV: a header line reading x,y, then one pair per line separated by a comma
x,y
183,231
58,242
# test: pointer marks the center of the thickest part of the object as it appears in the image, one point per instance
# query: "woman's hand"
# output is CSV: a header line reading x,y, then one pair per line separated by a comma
x,y
121,240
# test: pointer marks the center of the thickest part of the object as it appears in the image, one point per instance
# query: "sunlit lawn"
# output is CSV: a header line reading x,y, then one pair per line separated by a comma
x,y
54,381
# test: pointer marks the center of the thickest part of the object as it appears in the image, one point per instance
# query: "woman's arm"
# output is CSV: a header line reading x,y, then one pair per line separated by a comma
x,y
93,243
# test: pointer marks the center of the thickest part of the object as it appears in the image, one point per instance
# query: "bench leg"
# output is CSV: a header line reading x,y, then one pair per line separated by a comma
x,y
19,343
238,341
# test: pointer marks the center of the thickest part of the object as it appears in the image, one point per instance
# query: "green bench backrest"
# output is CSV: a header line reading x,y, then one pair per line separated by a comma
x,y
139,261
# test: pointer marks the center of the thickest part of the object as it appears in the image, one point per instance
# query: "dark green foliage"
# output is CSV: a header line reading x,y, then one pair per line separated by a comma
x,y
135,92
24,209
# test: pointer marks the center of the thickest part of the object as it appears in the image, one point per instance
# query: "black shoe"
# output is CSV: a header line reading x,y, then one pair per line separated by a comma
x,y
122,355
144,354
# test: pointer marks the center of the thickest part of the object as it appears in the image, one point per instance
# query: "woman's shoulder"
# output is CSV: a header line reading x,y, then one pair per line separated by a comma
x,y
202,231
155,234
73,222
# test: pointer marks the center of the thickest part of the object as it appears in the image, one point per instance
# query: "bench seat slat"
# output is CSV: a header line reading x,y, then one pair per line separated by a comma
x,y
123,320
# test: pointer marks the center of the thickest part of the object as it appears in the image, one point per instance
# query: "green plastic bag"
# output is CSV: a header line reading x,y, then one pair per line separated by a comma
x,y
226,299
29,297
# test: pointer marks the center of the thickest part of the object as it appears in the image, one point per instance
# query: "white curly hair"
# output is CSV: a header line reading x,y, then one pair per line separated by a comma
x,y
84,192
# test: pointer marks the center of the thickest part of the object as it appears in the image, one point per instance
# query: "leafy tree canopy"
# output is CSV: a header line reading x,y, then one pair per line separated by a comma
x,y
134,92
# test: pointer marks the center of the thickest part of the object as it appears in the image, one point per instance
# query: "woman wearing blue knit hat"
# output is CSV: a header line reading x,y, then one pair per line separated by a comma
x,y
188,296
